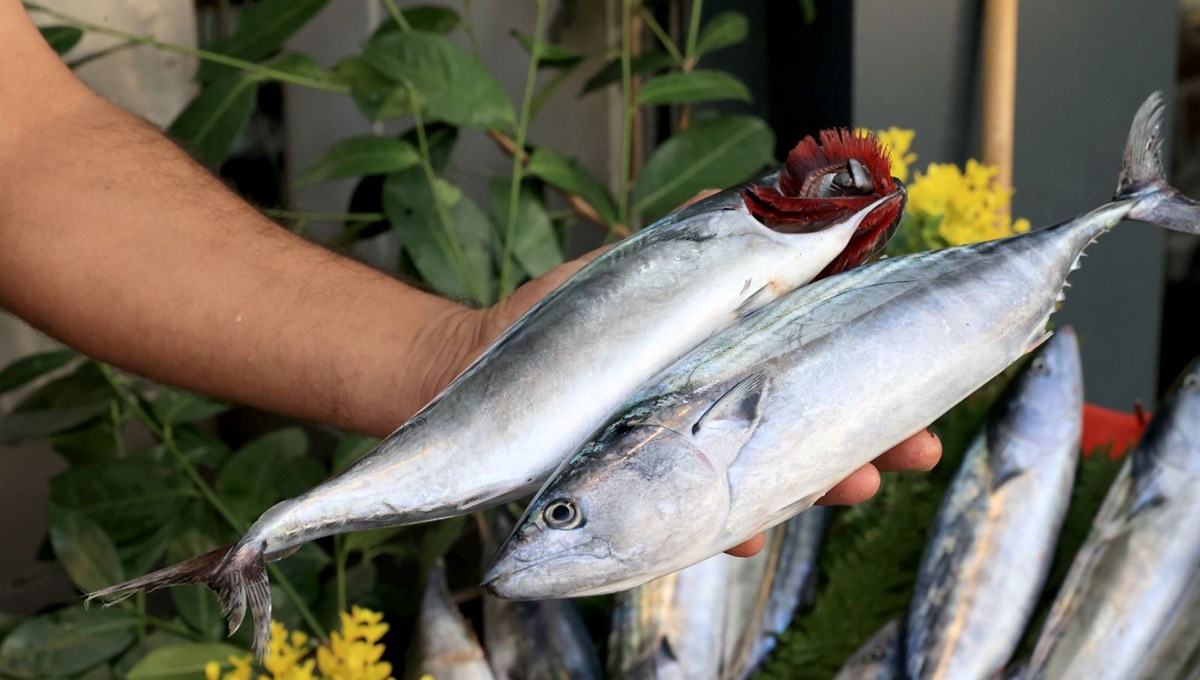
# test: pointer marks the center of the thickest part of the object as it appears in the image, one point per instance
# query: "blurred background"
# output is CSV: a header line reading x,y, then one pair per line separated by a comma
x,y
1083,66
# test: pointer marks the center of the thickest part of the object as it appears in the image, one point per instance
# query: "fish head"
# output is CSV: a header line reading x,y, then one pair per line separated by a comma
x,y
1172,438
637,490
1049,392
826,181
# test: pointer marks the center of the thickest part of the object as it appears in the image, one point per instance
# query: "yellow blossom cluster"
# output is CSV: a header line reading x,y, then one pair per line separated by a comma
x,y
966,206
972,206
354,653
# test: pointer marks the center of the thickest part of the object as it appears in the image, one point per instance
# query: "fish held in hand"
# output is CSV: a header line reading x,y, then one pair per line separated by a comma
x,y
757,424
555,376
996,532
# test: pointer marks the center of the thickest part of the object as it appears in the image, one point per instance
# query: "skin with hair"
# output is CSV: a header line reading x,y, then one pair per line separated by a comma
x,y
117,243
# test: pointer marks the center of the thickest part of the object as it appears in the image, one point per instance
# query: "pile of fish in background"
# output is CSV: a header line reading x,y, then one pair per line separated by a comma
x,y
687,390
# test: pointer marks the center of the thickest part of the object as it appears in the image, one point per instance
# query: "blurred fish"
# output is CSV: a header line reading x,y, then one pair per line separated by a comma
x,y
992,544
878,658
445,645
536,640
757,424
673,628
545,385
789,581
1128,608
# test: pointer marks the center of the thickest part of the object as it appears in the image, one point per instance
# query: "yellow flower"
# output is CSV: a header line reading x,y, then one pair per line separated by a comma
x,y
971,206
895,142
354,653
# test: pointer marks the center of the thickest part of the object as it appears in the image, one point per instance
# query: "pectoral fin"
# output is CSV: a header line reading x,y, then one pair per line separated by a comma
x,y
730,422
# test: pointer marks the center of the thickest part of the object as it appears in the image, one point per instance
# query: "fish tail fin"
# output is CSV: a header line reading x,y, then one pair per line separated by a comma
x,y
236,574
1143,176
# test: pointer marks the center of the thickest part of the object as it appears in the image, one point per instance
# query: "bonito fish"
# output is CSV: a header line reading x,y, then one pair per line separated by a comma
x,y
545,385
995,534
1128,608
757,424
878,658
445,645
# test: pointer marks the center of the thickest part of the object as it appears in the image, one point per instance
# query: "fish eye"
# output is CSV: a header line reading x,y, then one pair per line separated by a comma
x,y
860,178
1039,366
1191,383
562,513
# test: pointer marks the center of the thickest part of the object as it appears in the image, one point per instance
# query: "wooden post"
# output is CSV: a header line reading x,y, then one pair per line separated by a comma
x,y
999,85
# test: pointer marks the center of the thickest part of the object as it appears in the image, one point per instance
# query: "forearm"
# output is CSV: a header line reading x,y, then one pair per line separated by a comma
x,y
114,241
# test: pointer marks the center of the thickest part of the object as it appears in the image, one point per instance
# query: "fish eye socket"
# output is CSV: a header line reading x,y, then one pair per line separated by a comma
x,y
563,514
1191,383
1039,366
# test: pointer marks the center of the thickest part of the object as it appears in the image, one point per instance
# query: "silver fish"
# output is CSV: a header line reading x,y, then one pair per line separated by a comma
x,y
540,640
757,424
994,538
791,571
560,371
673,627
1131,594
878,658
445,645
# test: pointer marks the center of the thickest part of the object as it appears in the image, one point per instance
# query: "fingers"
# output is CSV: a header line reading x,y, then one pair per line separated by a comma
x,y
858,487
920,452
749,548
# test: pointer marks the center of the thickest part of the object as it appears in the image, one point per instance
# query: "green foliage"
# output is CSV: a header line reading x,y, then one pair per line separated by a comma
x,y
723,30
65,642
357,156
58,406
261,29
61,38
711,153
187,660
23,371
694,86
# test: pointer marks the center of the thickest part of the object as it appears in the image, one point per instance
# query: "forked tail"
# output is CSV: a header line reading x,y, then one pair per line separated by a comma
x,y
1143,177
235,574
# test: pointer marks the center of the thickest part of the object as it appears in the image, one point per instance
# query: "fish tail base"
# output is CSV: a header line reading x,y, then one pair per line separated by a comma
x,y
1143,177
236,574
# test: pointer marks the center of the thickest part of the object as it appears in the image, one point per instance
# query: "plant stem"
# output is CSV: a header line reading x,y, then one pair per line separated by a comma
x,y
339,557
663,38
100,54
693,33
165,434
248,66
117,419
629,108
454,249
507,276
321,216
397,15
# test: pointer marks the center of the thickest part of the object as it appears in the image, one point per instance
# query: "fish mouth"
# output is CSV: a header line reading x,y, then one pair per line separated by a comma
x,y
504,570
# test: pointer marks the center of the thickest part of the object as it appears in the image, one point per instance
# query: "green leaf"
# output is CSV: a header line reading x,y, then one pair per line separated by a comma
x,y
130,498
65,642
26,369
197,604
454,86
723,30
213,120
299,64
567,174
536,246
58,406
364,541
84,550
267,470
92,444
611,72
303,568
428,18
549,56
173,406
377,97
262,27
180,662
408,204
350,448
357,156
61,38
696,86
711,154
437,539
